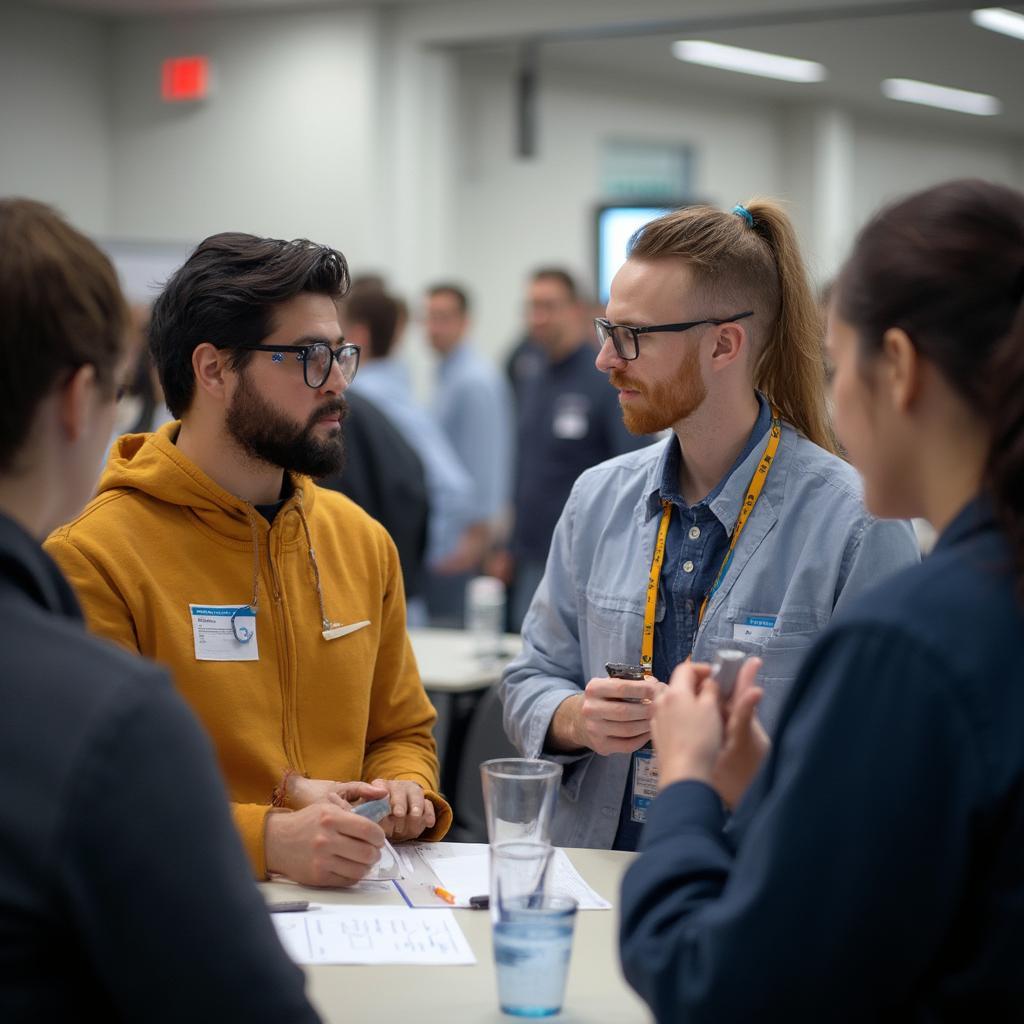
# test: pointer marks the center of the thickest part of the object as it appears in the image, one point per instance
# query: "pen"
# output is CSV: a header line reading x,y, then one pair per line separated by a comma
x,y
288,906
444,894
479,902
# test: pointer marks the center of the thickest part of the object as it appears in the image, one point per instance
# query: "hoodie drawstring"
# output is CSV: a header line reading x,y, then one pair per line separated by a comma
x,y
329,628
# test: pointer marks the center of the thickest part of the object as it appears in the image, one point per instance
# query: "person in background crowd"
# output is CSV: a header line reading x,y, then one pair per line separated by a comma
x,y
473,407
567,420
873,869
277,604
741,530
124,890
370,317
384,476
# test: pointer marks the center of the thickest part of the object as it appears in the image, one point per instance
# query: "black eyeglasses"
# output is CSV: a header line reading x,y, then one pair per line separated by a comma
x,y
316,359
626,340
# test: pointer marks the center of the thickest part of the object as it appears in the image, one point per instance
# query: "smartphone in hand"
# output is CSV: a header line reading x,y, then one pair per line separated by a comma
x,y
619,670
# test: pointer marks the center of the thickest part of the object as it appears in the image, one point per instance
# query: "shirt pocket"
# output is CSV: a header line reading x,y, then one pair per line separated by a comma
x,y
615,625
783,652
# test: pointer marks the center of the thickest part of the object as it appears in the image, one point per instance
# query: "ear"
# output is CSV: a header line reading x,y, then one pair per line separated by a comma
x,y
730,341
74,400
209,365
899,369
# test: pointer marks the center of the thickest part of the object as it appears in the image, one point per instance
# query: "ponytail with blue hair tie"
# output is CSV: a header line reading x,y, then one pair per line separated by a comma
x,y
742,211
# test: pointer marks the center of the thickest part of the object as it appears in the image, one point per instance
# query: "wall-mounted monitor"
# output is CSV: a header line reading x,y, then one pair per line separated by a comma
x,y
615,225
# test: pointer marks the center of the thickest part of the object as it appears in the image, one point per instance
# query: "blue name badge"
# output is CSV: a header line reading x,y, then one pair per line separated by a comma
x,y
645,784
754,627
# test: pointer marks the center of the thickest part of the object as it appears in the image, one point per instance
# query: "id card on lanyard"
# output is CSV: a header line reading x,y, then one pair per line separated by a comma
x,y
645,762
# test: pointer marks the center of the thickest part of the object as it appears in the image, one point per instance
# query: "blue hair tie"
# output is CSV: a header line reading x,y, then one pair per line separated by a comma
x,y
742,211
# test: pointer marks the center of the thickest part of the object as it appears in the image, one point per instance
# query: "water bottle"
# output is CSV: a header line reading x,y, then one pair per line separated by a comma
x,y
485,615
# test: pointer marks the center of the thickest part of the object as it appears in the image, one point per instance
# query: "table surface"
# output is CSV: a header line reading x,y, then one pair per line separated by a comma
x,y
596,992
449,664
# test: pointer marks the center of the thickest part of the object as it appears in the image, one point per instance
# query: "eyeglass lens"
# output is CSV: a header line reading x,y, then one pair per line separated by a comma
x,y
622,338
319,359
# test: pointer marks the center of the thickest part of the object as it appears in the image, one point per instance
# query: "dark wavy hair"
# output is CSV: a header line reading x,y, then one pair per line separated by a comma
x,y
947,266
225,293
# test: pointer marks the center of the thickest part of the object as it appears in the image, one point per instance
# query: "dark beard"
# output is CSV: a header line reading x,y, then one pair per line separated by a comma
x,y
264,434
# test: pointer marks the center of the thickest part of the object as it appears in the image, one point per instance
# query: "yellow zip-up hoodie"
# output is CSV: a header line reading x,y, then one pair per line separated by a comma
x,y
160,536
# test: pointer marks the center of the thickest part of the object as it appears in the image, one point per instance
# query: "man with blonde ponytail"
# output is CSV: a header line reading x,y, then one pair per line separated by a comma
x,y
743,530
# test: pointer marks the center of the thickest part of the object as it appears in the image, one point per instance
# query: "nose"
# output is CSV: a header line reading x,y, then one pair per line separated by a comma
x,y
335,383
608,359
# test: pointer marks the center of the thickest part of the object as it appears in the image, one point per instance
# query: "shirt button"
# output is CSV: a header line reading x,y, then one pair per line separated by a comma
x,y
694,532
687,566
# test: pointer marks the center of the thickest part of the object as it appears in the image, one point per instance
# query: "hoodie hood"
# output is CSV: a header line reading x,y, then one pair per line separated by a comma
x,y
152,464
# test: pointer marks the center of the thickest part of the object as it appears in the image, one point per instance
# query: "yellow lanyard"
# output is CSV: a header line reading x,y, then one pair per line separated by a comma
x,y
753,493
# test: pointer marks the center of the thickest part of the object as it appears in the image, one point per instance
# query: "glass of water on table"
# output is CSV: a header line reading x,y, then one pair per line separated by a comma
x,y
533,930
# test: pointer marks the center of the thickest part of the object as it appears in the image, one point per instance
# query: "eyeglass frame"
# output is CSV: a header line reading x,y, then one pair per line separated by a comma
x,y
601,323
302,354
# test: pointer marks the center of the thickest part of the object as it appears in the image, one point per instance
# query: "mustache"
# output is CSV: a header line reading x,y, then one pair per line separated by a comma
x,y
619,380
335,405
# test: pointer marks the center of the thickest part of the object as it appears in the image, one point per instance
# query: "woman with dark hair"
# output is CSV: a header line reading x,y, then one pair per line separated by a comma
x,y
875,867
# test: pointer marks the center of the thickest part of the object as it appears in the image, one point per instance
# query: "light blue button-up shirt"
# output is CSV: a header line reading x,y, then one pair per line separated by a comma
x,y
807,548
473,405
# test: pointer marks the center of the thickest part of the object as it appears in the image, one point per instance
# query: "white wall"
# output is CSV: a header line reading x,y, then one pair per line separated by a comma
x,y
283,147
515,214
54,113
892,159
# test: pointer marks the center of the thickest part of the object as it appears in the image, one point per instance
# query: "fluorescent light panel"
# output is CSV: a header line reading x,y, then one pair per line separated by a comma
x,y
999,19
747,62
909,91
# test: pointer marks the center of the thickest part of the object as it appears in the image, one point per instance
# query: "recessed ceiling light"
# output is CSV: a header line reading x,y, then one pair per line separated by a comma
x,y
909,91
999,19
748,62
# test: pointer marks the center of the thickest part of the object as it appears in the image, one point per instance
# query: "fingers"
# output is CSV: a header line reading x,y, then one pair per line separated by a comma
x,y
623,689
362,790
685,677
747,679
337,801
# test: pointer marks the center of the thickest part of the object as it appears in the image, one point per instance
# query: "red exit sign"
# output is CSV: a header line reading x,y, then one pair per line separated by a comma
x,y
185,79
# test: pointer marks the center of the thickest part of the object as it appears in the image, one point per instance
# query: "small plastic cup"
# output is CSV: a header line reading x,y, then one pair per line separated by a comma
x,y
520,794
532,949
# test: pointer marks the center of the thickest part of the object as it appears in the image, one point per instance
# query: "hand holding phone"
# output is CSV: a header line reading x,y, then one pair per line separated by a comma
x,y
621,670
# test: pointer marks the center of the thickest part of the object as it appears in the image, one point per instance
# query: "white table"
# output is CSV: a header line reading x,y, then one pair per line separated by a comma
x,y
596,992
449,664
455,678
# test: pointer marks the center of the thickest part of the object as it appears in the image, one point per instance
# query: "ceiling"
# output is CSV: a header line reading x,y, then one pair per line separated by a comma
x,y
858,47
943,48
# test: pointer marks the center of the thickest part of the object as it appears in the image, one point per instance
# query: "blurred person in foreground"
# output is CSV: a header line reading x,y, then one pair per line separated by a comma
x,y
872,871
277,604
473,407
124,890
741,530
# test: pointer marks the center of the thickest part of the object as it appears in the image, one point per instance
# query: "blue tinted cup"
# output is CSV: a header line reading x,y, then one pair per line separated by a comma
x,y
532,949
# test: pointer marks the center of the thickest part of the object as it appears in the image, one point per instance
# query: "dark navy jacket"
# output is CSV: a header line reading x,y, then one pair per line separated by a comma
x,y
875,869
124,890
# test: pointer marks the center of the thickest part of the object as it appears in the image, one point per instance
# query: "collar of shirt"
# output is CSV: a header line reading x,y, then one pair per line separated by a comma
x,y
458,357
727,497
977,515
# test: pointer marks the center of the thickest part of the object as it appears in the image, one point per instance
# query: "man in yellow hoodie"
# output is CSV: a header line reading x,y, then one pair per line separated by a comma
x,y
277,605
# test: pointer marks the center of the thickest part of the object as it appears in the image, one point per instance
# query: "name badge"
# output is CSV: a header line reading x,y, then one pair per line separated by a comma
x,y
645,784
224,632
571,418
754,627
